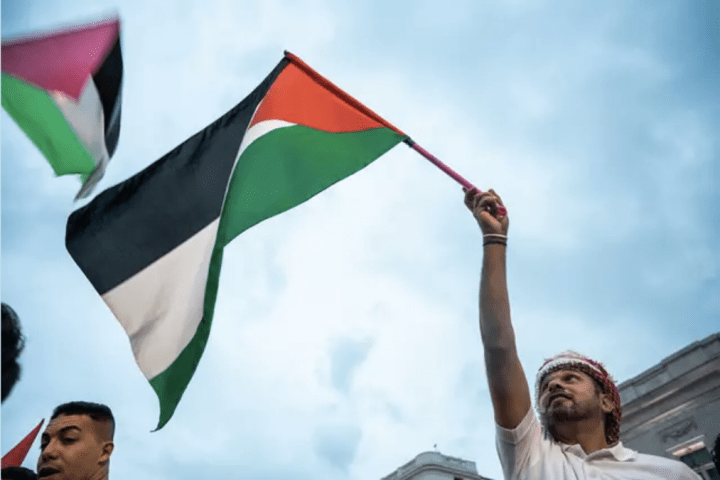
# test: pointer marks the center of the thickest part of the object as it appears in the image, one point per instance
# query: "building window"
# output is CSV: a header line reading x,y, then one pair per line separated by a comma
x,y
701,462
711,473
696,459
695,455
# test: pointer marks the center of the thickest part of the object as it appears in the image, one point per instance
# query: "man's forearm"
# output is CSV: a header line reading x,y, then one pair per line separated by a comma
x,y
495,325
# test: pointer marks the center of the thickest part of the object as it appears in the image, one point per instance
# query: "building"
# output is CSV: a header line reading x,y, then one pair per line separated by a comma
x,y
673,408
436,466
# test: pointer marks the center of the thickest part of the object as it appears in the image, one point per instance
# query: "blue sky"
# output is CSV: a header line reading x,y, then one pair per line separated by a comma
x,y
345,339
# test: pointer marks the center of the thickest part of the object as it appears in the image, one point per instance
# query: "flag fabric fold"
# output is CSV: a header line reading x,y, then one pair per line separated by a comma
x,y
63,89
16,456
152,246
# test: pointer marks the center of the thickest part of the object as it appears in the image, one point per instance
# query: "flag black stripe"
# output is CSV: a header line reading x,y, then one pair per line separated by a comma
x,y
108,81
131,225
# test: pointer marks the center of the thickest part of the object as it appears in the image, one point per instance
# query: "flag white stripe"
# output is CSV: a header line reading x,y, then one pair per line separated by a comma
x,y
161,306
86,117
258,130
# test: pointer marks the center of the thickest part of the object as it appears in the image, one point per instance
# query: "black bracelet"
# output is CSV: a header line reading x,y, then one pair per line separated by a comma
x,y
498,242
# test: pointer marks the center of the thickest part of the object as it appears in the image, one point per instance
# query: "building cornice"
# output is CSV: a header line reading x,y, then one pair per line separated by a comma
x,y
436,461
682,367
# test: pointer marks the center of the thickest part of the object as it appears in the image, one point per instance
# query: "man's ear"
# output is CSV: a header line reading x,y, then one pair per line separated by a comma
x,y
106,452
607,403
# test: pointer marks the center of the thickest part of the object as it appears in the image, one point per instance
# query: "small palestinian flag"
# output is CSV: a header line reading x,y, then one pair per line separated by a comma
x,y
152,246
16,456
63,90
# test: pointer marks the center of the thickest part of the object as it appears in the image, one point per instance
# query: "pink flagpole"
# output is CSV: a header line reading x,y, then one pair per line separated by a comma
x,y
452,173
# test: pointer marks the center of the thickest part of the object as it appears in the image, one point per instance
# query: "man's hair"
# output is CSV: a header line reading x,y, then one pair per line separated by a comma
x,y
13,343
96,411
570,360
716,453
18,473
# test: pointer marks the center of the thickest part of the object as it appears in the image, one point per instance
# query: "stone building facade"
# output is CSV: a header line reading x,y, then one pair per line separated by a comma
x,y
436,466
673,408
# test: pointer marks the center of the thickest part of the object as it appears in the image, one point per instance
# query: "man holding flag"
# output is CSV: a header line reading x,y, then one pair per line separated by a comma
x,y
579,407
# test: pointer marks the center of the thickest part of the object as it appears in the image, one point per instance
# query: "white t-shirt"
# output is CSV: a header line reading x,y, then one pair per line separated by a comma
x,y
526,454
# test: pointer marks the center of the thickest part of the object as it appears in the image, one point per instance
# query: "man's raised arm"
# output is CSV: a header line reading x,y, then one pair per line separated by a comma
x,y
508,385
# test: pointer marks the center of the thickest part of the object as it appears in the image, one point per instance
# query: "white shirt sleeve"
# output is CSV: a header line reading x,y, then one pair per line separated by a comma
x,y
515,446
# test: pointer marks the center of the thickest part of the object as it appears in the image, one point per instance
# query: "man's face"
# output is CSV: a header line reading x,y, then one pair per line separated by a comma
x,y
70,449
570,395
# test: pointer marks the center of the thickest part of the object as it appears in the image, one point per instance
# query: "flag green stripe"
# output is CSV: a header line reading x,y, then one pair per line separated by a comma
x,y
289,165
40,118
171,384
275,173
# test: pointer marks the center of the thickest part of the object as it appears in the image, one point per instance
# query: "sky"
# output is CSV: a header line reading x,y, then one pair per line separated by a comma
x,y
345,339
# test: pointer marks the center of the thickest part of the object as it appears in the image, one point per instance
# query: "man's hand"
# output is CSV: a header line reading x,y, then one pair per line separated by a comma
x,y
484,207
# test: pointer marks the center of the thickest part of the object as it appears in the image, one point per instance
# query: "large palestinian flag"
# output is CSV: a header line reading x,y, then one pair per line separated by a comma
x,y
152,246
63,89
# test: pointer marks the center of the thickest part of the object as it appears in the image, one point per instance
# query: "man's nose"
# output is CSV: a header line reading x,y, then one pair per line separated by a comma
x,y
49,452
554,384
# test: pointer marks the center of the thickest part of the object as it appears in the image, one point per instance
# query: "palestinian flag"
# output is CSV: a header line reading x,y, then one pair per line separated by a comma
x,y
152,246
63,90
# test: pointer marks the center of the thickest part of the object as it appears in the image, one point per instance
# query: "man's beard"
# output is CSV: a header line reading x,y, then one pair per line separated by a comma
x,y
566,410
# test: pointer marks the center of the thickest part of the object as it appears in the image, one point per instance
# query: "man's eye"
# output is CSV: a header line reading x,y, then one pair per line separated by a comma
x,y
69,440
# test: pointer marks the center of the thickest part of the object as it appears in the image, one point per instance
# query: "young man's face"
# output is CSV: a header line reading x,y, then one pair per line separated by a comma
x,y
570,395
71,449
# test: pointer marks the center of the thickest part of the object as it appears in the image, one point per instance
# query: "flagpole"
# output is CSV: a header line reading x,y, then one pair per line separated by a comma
x,y
449,171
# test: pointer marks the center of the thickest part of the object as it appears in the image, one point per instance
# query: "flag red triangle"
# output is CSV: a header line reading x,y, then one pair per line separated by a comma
x,y
16,456
61,60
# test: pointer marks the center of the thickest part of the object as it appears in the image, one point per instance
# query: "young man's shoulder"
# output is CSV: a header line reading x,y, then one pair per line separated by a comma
x,y
667,467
